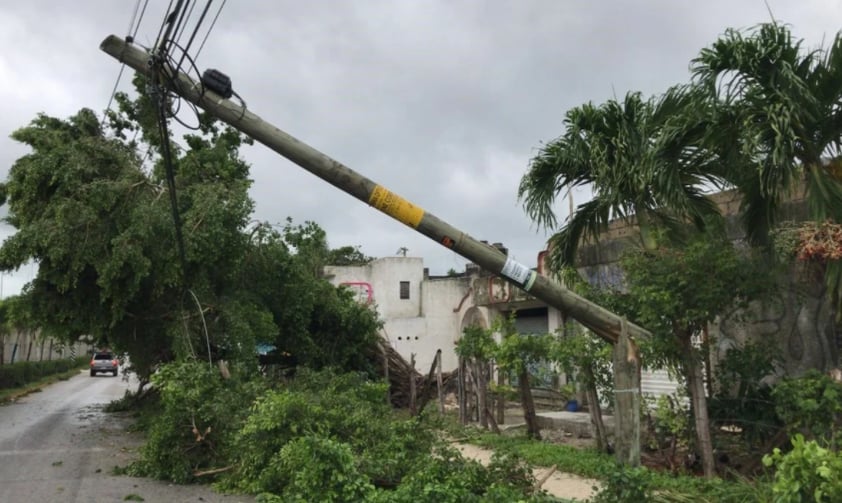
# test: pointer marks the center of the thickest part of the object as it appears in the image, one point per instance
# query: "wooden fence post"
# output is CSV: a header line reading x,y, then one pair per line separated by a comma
x,y
439,382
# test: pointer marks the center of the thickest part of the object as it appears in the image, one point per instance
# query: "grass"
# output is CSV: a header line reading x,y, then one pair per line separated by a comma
x,y
12,394
597,465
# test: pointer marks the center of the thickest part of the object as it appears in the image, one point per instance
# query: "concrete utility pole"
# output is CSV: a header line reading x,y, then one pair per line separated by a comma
x,y
602,322
598,319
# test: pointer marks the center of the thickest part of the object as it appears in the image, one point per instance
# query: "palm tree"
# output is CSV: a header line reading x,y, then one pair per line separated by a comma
x,y
784,124
639,157
642,159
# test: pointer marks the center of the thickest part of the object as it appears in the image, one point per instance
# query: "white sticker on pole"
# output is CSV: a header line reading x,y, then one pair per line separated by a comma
x,y
515,271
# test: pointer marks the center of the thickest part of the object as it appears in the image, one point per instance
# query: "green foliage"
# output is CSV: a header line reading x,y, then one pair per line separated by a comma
x,y
670,424
741,398
568,459
19,374
346,256
516,351
344,407
198,414
811,403
89,210
688,286
808,472
315,468
448,478
625,485
316,323
476,342
579,349
639,156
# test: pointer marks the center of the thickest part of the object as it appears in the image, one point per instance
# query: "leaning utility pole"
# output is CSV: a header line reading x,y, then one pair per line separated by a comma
x,y
602,322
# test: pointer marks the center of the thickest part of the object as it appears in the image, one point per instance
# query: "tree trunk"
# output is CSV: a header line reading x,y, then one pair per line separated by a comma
x,y
698,400
494,427
595,409
482,395
501,398
385,374
708,363
532,430
463,401
439,387
412,408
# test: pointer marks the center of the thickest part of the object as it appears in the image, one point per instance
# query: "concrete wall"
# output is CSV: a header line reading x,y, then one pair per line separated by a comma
x,y
429,320
29,346
798,322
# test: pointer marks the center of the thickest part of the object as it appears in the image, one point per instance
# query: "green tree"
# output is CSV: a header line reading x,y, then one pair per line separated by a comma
x,y
586,359
638,157
676,292
96,216
778,119
313,323
515,354
477,348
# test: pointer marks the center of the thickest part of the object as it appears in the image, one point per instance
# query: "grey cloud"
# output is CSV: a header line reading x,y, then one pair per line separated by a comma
x,y
444,102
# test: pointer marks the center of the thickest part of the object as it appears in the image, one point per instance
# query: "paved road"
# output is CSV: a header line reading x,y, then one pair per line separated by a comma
x,y
58,446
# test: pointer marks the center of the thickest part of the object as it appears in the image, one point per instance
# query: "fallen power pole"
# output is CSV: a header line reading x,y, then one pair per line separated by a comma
x,y
598,319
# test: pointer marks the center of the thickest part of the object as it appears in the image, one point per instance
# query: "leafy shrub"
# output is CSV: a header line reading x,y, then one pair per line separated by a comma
x,y
447,477
16,375
811,403
669,426
326,405
807,473
625,485
199,413
314,468
741,398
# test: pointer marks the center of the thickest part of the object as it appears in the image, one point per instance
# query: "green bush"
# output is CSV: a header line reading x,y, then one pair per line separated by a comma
x,y
625,485
807,473
811,403
329,437
346,407
741,397
16,375
314,468
446,477
198,415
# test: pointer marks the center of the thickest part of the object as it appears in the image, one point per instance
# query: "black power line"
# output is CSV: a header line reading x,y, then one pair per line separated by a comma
x,y
131,33
213,23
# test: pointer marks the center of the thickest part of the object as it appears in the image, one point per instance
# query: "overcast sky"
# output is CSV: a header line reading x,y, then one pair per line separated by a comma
x,y
443,102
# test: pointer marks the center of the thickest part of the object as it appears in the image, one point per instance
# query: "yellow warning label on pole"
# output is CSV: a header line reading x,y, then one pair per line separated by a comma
x,y
395,206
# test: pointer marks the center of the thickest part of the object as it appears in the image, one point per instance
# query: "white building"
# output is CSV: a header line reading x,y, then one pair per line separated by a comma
x,y
423,313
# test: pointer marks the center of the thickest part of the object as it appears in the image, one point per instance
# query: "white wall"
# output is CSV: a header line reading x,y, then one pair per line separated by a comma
x,y
421,324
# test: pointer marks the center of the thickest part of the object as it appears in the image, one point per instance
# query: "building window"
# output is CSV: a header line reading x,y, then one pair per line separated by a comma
x,y
404,289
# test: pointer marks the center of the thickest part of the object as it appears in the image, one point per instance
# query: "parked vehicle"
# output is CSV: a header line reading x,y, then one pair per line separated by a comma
x,y
104,361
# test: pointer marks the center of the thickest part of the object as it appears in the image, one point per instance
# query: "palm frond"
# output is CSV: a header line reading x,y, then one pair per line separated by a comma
x,y
590,220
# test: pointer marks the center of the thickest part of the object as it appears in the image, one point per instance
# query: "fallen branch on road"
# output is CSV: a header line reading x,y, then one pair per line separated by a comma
x,y
213,471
